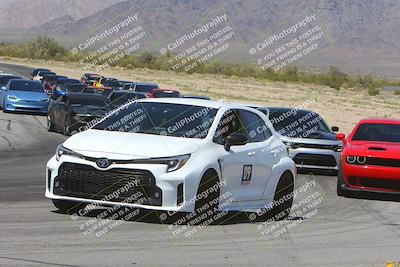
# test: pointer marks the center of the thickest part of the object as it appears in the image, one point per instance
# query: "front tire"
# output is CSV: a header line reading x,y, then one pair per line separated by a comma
x,y
284,190
68,207
208,195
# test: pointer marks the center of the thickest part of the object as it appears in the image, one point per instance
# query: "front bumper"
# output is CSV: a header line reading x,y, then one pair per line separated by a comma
x,y
371,178
39,107
166,191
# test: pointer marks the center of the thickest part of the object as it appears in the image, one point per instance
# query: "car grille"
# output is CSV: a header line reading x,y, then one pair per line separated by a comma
x,y
383,162
375,183
315,159
336,148
78,180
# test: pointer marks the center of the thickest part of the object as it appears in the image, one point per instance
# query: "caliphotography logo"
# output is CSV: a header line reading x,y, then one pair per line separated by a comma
x,y
199,133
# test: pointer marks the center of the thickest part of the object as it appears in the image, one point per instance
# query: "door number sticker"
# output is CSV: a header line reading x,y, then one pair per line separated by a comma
x,y
247,171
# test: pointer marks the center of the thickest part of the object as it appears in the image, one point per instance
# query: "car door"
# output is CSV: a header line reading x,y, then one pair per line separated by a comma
x,y
239,165
58,110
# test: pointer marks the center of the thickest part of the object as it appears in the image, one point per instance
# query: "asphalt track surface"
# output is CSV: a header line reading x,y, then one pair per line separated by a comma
x,y
335,232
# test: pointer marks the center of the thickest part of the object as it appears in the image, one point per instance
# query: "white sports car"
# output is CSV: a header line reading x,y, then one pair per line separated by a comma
x,y
174,154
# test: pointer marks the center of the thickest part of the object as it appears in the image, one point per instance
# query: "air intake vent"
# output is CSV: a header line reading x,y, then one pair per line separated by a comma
x,y
377,148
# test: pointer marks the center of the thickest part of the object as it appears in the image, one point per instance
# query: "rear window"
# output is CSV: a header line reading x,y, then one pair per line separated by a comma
x,y
377,132
145,88
85,101
26,86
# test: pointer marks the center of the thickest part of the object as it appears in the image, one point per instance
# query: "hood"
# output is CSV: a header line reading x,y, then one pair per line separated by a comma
x,y
374,149
27,95
121,145
310,140
89,110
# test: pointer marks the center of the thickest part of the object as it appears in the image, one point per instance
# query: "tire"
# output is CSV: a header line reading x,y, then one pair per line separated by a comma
x,y
208,198
68,207
285,187
66,131
50,126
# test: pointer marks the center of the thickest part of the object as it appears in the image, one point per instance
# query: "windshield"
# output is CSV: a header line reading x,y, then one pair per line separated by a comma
x,y
377,132
297,123
89,102
26,86
160,119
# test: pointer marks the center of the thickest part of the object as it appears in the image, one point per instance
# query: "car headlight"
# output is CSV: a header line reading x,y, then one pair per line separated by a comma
x,y
358,160
61,150
45,100
175,163
12,97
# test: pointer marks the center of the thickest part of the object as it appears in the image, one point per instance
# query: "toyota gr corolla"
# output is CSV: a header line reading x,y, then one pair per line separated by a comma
x,y
177,155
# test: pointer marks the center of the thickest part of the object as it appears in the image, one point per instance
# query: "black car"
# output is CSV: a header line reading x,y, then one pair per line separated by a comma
x,y
76,112
35,71
121,97
143,87
5,78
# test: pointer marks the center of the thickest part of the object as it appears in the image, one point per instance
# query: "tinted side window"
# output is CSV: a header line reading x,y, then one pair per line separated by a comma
x,y
255,128
230,123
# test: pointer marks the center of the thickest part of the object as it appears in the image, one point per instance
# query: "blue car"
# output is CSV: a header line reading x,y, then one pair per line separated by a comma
x,y
24,95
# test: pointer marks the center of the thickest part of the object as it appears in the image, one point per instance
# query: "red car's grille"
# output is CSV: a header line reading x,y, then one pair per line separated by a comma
x,y
376,183
383,162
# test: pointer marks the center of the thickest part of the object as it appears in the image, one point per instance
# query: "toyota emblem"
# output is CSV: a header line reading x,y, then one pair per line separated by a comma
x,y
103,163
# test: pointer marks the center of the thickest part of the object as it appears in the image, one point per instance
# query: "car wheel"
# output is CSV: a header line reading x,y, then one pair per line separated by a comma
x,y
68,207
66,126
50,126
208,193
284,188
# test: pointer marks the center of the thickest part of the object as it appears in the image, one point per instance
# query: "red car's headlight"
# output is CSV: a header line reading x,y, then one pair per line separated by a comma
x,y
358,160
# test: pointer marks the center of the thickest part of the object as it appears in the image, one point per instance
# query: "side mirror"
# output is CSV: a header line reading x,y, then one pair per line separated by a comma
x,y
236,139
335,129
340,136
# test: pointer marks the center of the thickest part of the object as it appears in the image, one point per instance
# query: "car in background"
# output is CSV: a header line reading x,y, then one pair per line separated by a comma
x,y
59,86
39,76
35,71
50,81
196,97
151,147
106,82
312,144
75,112
120,85
5,78
121,97
105,91
143,87
24,95
157,93
90,78
370,159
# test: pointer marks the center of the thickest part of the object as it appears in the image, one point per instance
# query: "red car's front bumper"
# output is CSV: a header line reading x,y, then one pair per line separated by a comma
x,y
371,178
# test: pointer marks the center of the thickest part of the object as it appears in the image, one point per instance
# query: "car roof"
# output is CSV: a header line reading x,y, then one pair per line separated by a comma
x,y
128,92
65,79
165,90
380,121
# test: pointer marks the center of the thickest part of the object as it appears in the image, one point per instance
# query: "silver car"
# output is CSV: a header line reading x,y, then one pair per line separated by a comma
x,y
311,143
